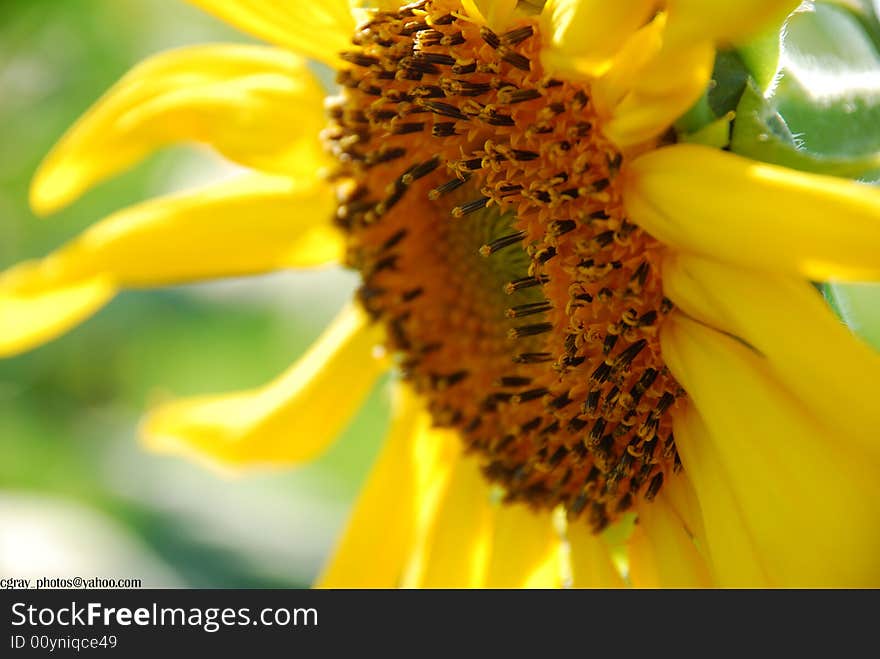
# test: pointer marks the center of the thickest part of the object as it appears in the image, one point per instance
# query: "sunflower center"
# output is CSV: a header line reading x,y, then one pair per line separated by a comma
x,y
483,211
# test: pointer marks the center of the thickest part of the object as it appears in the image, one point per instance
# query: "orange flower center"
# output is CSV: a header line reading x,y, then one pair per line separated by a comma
x,y
483,210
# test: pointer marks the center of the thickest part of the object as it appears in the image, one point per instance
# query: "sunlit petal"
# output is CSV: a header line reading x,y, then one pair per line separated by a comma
x,y
28,321
290,420
662,91
258,106
661,552
315,29
585,35
807,496
456,552
252,225
526,550
386,527
623,71
734,554
590,559
785,319
497,15
770,218
725,21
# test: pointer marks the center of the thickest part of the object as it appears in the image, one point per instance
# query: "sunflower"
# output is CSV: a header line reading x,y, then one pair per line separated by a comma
x,y
592,323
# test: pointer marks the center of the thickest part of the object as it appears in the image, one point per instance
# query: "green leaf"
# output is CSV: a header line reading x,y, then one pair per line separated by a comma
x,y
813,104
821,110
858,305
762,133
866,11
761,56
708,121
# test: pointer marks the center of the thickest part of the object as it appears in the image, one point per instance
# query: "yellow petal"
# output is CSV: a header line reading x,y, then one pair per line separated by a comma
x,y
590,559
251,225
679,495
456,551
735,557
770,218
662,554
725,21
256,105
636,53
585,35
243,226
315,29
526,550
495,14
661,92
292,419
384,527
785,319
650,83
808,497
29,321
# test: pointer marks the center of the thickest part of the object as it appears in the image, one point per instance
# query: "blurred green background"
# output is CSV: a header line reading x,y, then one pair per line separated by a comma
x,y
78,494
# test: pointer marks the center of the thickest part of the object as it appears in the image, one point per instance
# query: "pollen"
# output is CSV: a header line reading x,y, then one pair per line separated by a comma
x,y
483,209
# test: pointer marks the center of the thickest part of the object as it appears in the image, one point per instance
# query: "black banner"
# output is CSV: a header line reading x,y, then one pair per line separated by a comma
x,y
132,622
